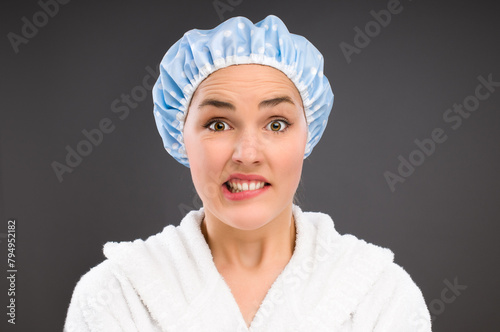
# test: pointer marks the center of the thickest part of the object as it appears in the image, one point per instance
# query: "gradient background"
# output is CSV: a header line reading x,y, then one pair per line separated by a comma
x,y
442,222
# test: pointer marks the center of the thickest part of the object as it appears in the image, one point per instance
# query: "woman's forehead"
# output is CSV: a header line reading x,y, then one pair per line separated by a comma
x,y
265,81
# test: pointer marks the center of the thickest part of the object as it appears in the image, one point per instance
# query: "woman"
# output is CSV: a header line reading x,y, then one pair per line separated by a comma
x,y
242,105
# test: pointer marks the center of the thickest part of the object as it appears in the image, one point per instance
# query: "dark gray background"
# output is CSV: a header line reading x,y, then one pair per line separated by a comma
x,y
442,222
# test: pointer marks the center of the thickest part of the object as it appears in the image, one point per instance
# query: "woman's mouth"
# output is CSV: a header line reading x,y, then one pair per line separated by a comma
x,y
236,186
237,190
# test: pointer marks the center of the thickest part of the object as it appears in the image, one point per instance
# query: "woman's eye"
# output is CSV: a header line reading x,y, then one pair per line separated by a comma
x,y
277,125
218,126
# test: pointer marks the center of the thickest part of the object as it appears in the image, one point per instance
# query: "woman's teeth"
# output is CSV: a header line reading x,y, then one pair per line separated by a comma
x,y
236,187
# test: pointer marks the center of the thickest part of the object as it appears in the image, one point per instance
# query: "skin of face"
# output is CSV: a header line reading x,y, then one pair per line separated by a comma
x,y
246,119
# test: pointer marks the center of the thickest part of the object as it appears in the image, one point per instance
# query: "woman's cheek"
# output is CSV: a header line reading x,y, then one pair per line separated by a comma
x,y
295,154
215,150
292,148
213,156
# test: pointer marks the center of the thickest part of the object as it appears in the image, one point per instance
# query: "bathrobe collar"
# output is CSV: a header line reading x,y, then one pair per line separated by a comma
x,y
174,274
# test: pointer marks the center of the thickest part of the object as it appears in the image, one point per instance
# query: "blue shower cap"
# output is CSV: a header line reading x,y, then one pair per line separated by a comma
x,y
238,41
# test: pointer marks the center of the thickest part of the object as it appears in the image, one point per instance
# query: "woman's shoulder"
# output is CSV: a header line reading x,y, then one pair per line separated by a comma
x,y
96,277
95,295
320,226
372,283
349,252
128,275
99,287
354,251
140,255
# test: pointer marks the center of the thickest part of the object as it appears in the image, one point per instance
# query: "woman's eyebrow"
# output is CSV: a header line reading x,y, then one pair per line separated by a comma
x,y
265,103
217,103
275,101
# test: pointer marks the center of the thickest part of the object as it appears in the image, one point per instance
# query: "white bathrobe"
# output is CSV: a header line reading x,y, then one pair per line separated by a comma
x,y
170,283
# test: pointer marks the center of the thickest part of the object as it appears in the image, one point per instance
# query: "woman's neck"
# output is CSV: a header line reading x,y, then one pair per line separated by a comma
x,y
251,250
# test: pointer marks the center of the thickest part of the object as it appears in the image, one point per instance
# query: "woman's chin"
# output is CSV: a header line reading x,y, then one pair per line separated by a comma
x,y
250,217
247,222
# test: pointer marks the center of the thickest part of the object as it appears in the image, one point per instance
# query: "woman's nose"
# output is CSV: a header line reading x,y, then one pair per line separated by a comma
x,y
247,149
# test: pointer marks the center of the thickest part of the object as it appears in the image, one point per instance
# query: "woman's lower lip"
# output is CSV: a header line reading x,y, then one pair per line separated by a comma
x,y
243,194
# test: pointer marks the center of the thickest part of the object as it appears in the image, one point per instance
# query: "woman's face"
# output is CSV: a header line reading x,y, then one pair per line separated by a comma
x,y
246,127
